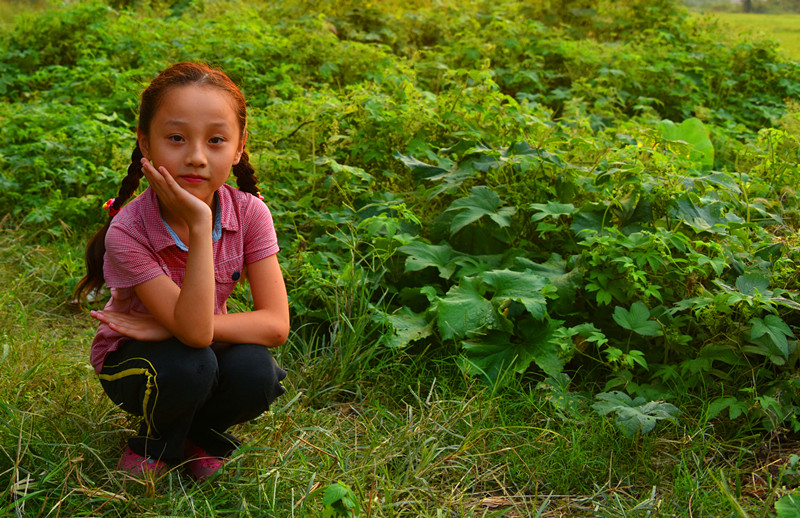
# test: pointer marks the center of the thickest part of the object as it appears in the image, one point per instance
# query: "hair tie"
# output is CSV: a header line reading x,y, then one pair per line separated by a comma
x,y
258,195
109,206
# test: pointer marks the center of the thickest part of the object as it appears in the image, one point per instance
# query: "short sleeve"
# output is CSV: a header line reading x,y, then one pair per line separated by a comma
x,y
260,240
129,259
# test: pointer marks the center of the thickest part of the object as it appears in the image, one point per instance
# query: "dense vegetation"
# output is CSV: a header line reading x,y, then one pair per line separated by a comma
x,y
589,203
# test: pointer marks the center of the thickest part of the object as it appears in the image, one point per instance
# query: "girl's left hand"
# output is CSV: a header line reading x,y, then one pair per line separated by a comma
x,y
177,199
136,325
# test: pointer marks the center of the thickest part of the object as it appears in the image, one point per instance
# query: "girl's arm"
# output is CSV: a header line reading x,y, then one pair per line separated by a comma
x,y
268,323
187,312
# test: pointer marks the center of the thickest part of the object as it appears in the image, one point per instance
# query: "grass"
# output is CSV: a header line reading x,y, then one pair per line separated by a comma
x,y
783,28
409,434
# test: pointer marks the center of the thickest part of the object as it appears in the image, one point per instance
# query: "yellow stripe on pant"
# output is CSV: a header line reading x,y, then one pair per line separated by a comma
x,y
150,387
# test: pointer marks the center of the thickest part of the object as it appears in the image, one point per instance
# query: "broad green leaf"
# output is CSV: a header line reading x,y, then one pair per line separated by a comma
x,y
339,500
523,287
734,406
336,167
566,282
634,416
420,168
697,145
541,339
773,327
749,283
706,218
334,493
723,180
408,327
482,201
551,210
464,311
637,320
496,352
422,255
788,506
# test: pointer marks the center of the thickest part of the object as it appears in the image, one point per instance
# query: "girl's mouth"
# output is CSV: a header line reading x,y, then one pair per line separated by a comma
x,y
193,179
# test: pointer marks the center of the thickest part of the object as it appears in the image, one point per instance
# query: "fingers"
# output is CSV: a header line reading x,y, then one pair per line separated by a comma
x,y
159,178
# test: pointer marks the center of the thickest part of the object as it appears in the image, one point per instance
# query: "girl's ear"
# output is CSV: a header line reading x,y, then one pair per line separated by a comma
x,y
240,150
143,147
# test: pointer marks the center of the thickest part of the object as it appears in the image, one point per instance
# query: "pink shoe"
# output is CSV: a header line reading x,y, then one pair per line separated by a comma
x,y
200,465
138,466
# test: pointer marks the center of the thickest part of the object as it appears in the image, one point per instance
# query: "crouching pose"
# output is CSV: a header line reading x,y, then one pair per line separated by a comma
x,y
166,349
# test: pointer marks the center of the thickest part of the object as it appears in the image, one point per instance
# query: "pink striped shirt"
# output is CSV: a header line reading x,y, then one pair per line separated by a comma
x,y
139,248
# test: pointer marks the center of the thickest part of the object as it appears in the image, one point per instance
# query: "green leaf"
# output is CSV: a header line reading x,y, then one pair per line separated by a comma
x,y
497,352
419,168
773,327
750,283
637,320
423,255
788,506
482,201
464,311
334,493
523,287
339,500
408,327
634,416
565,282
734,406
552,210
694,135
708,218
353,171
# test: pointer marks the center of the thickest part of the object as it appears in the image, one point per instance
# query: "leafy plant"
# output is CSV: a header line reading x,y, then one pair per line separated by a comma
x,y
634,416
339,500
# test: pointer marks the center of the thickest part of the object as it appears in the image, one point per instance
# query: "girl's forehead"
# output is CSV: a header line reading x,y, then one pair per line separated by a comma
x,y
197,102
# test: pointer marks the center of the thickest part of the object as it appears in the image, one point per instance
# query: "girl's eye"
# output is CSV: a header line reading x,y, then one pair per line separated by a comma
x,y
216,140
175,138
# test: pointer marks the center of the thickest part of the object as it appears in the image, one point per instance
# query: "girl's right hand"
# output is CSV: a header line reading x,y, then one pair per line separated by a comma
x,y
176,199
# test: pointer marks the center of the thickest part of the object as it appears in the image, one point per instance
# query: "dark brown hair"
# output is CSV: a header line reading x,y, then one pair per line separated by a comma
x,y
181,74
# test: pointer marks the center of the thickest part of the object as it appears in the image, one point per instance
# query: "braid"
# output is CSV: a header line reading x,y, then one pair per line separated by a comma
x,y
96,249
245,175
131,181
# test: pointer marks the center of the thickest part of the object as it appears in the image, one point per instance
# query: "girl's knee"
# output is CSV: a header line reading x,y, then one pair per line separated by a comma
x,y
251,369
191,368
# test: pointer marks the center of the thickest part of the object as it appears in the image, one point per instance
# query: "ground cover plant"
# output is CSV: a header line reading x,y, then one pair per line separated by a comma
x,y
541,260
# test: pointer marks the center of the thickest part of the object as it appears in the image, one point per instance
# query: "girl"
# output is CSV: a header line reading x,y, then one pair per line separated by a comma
x,y
165,348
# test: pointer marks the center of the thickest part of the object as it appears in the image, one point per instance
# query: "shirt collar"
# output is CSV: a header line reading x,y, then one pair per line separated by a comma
x,y
161,235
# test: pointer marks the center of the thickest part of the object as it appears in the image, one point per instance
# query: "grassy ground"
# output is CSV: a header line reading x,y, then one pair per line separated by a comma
x,y
411,438
784,28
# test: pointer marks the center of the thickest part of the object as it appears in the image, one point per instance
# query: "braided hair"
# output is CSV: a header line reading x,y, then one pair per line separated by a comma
x,y
180,74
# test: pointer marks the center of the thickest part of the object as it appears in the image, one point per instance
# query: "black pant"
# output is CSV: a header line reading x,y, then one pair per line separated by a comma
x,y
190,394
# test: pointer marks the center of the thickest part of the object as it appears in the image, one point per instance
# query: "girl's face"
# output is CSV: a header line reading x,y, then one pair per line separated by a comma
x,y
195,135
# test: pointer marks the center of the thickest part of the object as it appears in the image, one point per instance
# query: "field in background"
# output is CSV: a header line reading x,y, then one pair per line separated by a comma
x,y
784,28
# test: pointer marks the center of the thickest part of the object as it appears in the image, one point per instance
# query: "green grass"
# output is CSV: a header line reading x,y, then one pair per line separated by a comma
x,y
411,438
783,28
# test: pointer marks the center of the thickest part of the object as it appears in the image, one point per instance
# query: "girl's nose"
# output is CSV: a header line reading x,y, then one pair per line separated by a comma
x,y
196,156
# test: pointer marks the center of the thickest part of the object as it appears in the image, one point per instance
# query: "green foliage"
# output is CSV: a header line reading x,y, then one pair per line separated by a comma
x,y
339,500
788,506
634,416
604,192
